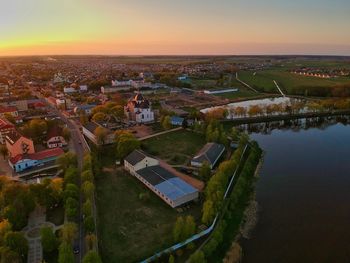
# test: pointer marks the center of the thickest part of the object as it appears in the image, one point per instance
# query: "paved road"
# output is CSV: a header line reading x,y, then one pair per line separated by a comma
x,y
279,89
80,148
245,84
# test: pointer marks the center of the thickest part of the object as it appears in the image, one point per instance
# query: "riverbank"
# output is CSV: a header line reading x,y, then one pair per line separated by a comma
x,y
250,219
228,228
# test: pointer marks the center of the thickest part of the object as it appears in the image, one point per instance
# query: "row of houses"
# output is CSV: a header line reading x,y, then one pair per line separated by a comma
x,y
21,150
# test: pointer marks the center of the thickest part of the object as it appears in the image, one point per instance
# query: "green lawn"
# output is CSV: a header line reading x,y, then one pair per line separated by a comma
x,y
132,228
175,147
289,82
242,93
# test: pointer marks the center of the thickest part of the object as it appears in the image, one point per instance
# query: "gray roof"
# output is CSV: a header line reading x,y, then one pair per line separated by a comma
x,y
210,153
135,157
90,126
155,174
166,182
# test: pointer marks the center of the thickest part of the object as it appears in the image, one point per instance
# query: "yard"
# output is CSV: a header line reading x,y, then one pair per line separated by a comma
x,y
175,148
133,223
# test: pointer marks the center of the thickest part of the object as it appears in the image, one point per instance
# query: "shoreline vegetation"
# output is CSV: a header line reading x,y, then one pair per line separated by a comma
x,y
222,243
250,219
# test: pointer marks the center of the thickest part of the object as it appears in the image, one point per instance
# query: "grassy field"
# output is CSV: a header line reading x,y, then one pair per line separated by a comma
x,y
289,82
132,228
176,147
242,93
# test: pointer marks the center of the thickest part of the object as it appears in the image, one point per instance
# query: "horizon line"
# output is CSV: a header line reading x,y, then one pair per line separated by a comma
x,y
180,55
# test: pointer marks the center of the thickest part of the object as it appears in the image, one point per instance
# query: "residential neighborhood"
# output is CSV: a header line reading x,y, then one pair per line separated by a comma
x,y
108,151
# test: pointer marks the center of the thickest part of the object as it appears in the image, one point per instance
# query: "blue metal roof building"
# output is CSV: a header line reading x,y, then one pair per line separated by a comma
x,y
172,189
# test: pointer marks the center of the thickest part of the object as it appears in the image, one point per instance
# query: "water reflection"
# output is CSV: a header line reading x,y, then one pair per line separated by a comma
x,y
294,125
303,192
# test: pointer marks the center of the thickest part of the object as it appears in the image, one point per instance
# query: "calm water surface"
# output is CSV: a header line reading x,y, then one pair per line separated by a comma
x,y
304,197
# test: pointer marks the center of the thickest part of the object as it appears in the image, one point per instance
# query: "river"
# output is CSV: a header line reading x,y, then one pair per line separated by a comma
x,y
304,196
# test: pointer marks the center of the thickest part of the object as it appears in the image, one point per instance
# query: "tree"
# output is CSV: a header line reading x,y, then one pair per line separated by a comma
x,y
5,227
208,212
190,227
197,257
171,259
118,112
234,134
9,256
99,116
71,208
87,208
166,123
36,127
49,241
66,134
101,134
126,144
17,242
17,202
88,189
65,253
69,232
178,229
87,176
71,175
87,162
4,151
90,241
89,224
92,257
66,160
71,191
205,171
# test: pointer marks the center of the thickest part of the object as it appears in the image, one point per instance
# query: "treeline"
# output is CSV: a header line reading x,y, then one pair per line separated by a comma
x,y
17,201
88,189
217,184
341,90
233,211
71,197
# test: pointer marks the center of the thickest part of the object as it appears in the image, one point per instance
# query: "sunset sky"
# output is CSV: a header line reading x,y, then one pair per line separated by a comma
x,y
135,27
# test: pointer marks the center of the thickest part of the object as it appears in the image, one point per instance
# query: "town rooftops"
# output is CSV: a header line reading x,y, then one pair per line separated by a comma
x,y
13,136
135,157
166,182
45,154
210,153
85,107
7,109
5,124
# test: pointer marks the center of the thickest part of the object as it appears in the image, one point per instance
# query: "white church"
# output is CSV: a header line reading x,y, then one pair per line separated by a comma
x,y
139,109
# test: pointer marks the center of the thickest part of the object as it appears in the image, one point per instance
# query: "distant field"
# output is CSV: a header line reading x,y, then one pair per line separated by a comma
x,y
132,228
288,82
242,93
176,147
